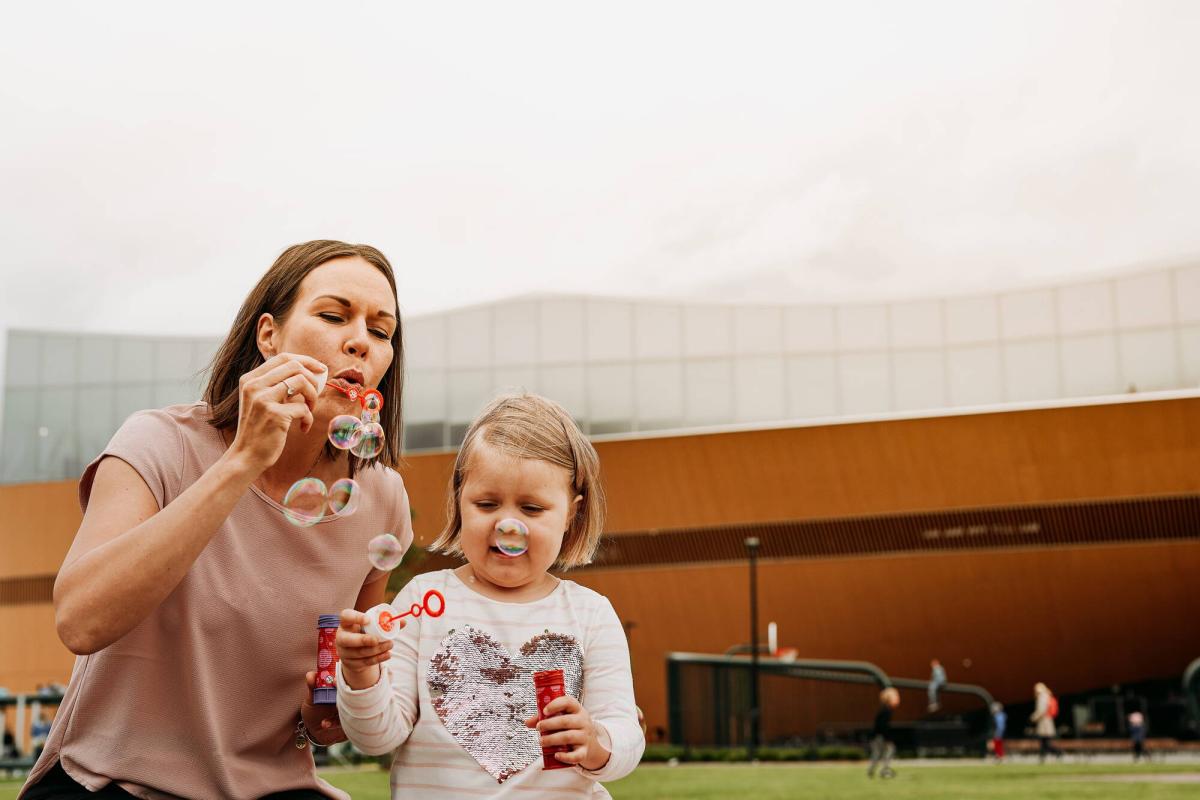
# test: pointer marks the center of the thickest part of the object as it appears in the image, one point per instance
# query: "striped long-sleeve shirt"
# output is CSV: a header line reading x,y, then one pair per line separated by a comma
x,y
454,695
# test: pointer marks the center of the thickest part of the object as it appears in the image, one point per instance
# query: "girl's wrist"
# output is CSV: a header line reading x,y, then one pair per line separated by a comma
x,y
361,679
598,753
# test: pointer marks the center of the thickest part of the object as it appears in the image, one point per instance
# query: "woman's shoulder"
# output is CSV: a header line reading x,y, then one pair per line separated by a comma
x,y
186,420
380,477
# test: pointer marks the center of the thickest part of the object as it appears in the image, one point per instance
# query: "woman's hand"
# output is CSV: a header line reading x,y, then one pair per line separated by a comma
x,y
360,653
322,721
569,723
266,410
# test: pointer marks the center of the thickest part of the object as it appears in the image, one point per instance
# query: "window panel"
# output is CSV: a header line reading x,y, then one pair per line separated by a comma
x,y
1031,370
864,383
1089,365
974,375
812,386
920,379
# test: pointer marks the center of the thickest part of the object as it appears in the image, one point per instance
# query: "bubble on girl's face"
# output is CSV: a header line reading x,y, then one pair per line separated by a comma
x,y
367,417
344,431
512,537
385,552
304,503
343,497
372,401
371,442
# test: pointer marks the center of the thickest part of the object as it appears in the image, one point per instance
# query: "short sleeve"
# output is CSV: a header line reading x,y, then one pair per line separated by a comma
x,y
152,443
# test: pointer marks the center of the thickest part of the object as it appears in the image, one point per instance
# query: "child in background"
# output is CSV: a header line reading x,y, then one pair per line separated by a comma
x,y
999,721
453,695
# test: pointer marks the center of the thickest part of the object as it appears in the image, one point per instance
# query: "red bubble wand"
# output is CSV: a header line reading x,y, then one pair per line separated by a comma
x,y
387,620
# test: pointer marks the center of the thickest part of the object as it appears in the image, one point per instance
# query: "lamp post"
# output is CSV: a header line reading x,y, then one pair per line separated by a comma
x,y
752,549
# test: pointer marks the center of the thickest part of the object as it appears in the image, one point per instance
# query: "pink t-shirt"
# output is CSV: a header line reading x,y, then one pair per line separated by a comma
x,y
201,699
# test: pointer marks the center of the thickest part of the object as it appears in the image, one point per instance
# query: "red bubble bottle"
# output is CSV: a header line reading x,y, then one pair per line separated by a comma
x,y
548,685
325,692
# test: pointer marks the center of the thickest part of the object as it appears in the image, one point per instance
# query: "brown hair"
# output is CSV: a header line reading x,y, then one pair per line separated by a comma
x,y
530,426
275,294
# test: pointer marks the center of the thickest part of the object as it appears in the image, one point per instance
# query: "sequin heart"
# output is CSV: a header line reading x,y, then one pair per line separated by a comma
x,y
483,696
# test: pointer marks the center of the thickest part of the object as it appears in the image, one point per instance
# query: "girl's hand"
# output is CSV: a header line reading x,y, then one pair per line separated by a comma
x,y
569,723
266,411
360,653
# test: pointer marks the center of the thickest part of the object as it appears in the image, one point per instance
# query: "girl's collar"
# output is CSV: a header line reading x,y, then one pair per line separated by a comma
x,y
471,583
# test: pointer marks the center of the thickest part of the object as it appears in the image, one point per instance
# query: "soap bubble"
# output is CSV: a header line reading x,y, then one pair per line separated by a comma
x,y
367,417
344,431
385,552
343,497
371,442
512,537
304,503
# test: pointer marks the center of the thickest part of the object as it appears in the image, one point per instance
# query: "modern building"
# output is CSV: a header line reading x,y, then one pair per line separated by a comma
x,y
1008,482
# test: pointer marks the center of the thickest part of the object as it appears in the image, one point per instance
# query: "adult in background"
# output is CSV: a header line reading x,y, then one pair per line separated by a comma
x,y
1045,710
1137,735
882,746
190,600
937,679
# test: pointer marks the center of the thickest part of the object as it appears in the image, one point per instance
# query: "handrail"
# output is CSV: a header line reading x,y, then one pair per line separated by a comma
x,y
861,672
21,737
782,664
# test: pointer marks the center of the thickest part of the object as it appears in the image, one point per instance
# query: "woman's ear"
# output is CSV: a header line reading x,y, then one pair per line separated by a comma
x,y
266,335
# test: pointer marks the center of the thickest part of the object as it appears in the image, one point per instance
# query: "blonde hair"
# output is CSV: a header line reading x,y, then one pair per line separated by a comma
x,y
890,696
530,426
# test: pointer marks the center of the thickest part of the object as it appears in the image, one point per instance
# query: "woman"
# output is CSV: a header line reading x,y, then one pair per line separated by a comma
x,y
1044,712
189,598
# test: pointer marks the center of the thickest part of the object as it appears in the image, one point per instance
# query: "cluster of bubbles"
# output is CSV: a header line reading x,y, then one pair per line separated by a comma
x,y
309,500
362,435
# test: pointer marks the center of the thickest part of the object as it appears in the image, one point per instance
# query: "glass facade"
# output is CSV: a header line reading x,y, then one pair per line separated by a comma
x,y
640,365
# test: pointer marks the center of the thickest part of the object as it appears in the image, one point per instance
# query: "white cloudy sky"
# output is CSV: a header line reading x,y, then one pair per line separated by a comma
x,y
154,160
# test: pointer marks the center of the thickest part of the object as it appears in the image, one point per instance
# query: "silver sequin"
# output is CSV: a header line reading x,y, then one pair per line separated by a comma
x,y
483,695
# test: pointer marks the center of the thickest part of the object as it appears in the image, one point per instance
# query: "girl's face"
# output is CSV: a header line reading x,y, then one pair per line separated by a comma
x,y
344,316
499,486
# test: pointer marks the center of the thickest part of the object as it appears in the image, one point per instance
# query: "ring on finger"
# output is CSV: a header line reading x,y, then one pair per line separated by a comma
x,y
290,390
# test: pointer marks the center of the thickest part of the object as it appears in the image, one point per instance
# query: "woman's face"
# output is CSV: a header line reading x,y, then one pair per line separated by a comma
x,y
499,486
344,316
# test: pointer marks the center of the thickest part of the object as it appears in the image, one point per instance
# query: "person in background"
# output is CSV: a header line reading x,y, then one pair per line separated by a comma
x,y
882,746
1044,712
999,721
1137,735
937,679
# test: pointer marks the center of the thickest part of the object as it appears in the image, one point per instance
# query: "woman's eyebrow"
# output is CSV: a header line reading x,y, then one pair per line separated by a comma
x,y
346,303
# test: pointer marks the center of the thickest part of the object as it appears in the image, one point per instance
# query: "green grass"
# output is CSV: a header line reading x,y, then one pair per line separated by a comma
x,y
846,782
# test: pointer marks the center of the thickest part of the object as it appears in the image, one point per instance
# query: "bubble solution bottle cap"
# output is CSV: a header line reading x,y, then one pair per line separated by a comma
x,y
547,685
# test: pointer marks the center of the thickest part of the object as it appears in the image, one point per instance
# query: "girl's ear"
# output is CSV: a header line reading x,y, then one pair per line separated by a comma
x,y
574,515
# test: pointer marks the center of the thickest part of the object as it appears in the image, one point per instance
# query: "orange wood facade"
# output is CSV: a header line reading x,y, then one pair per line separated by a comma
x,y
1074,617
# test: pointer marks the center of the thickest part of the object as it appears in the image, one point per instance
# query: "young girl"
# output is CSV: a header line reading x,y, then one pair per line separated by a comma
x,y
454,694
